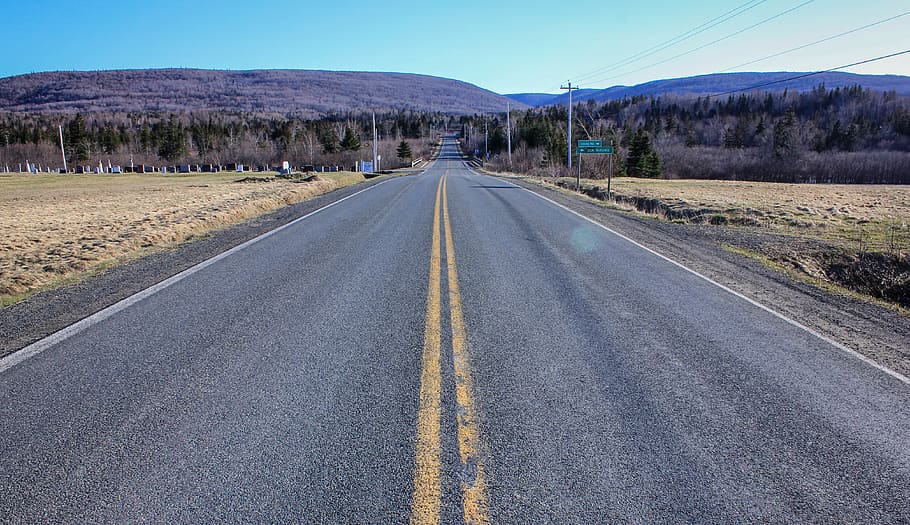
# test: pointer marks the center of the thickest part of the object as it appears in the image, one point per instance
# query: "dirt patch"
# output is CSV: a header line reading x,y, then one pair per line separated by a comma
x,y
884,276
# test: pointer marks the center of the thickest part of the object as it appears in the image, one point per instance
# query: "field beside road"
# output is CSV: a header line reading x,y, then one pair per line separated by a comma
x,y
59,228
871,217
848,238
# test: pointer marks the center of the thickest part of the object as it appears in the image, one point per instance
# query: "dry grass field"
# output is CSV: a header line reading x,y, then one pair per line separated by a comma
x,y
870,217
57,228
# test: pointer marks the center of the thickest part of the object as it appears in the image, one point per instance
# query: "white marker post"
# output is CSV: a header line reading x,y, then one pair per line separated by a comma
x,y
62,151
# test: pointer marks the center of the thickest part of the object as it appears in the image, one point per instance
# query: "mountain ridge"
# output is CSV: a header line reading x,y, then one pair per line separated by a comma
x,y
720,83
311,93
317,93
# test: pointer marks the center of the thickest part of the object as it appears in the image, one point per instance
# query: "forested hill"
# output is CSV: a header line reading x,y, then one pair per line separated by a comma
x,y
708,85
836,135
297,92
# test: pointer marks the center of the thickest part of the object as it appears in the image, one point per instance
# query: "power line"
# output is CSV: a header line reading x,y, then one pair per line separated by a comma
x,y
677,39
713,42
826,39
797,77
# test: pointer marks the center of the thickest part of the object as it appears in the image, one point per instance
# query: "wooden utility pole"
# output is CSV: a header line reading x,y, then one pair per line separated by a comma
x,y
375,146
570,87
509,130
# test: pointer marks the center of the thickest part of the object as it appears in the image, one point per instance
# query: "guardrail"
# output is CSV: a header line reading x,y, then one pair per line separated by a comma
x,y
416,162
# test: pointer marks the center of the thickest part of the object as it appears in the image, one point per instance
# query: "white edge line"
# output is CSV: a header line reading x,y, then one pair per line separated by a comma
x,y
41,345
797,324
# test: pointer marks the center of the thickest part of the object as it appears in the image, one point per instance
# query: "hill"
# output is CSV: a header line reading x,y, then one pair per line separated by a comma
x,y
705,85
296,92
534,99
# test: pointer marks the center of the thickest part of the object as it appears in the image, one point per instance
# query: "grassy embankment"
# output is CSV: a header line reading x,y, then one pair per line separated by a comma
x,y
847,238
58,229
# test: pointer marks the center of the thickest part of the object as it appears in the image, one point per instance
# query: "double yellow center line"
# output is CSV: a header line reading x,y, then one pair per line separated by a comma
x,y
427,500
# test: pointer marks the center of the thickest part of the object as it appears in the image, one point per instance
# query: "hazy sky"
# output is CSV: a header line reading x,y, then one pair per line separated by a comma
x,y
506,46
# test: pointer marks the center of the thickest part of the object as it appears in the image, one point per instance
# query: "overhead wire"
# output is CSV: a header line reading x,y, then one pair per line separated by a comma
x,y
675,40
713,42
821,41
804,75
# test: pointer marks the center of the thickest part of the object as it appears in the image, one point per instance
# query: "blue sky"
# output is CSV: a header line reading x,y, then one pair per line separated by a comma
x,y
506,46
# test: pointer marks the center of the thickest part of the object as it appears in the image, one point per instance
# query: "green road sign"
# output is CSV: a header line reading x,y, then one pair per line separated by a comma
x,y
603,150
590,143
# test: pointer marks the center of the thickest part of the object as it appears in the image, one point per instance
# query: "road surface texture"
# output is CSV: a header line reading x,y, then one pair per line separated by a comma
x,y
447,348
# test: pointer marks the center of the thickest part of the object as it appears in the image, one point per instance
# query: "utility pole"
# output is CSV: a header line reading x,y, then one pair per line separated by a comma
x,y
62,151
570,88
509,130
375,146
486,142
610,175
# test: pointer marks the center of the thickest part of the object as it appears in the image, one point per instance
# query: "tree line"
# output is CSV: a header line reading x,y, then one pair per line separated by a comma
x,y
839,135
217,138
842,135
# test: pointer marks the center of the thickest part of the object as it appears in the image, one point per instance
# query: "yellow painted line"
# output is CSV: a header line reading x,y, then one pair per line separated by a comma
x,y
473,485
427,497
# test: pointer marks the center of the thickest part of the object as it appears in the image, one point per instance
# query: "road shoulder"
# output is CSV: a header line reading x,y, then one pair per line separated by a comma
x,y
874,331
48,312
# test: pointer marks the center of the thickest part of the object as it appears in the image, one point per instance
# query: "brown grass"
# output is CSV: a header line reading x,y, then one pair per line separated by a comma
x,y
59,227
872,215
859,217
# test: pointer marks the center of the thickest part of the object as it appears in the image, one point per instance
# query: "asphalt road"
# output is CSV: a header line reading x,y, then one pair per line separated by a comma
x,y
514,364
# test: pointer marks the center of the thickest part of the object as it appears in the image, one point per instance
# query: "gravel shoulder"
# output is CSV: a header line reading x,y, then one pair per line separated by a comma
x,y
45,313
875,331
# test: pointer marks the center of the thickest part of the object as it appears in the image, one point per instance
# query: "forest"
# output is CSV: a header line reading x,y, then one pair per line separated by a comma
x,y
839,135
251,139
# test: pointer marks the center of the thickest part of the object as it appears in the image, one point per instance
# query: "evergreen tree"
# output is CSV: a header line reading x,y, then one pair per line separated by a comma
x,y
783,140
350,142
404,151
642,160
671,123
650,166
784,146
902,121
77,139
110,140
557,148
146,138
497,140
282,135
329,139
173,145
735,137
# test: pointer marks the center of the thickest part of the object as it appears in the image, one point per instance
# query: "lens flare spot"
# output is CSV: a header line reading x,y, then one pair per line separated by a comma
x,y
584,240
